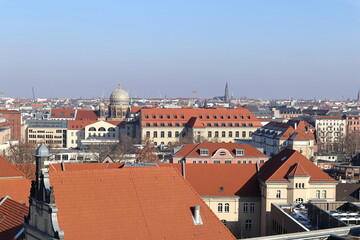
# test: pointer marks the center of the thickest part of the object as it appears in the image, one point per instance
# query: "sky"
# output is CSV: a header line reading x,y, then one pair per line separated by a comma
x,y
264,49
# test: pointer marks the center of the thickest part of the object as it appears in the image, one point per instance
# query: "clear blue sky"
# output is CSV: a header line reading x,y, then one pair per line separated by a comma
x,y
262,48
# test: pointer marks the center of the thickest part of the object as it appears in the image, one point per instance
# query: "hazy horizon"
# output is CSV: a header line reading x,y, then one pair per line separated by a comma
x,y
263,49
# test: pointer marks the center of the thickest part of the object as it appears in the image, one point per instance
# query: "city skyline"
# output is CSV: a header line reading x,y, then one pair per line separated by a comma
x,y
282,49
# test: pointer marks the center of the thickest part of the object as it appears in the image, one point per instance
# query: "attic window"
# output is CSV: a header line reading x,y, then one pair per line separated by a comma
x,y
239,152
221,189
204,152
283,158
222,153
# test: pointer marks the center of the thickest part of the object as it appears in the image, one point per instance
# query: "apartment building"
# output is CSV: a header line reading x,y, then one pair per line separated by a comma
x,y
169,126
51,132
330,130
276,136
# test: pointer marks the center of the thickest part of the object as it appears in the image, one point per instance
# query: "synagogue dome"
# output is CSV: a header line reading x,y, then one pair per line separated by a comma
x,y
119,96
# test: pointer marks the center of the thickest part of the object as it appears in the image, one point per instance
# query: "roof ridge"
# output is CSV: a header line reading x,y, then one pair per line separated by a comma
x,y
282,163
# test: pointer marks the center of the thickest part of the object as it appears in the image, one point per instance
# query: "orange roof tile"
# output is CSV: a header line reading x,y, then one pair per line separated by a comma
x,y
18,188
147,202
82,114
277,168
83,166
11,217
220,179
203,116
62,113
297,170
28,169
8,170
193,150
79,124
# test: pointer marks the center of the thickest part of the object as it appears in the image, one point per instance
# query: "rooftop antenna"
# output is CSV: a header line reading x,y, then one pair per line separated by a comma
x,y
194,93
33,94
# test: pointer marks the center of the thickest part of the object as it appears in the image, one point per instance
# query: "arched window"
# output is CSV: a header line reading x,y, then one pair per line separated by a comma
x,y
278,194
226,208
155,143
111,129
102,129
237,134
299,200
216,134
92,129
155,134
162,134
243,134
177,134
223,134
169,134
248,224
296,185
147,133
230,134
220,207
323,194
317,195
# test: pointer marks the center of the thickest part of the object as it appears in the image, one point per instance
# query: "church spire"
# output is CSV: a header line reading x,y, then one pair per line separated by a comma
x,y
226,96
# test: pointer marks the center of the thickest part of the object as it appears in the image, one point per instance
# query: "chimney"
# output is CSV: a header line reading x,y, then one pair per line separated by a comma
x,y
257,167
196,215
62,165
183,168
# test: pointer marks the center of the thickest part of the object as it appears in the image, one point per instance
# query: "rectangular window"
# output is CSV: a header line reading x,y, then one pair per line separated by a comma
x,y
245,208
228,161
252,207
204,152
216,161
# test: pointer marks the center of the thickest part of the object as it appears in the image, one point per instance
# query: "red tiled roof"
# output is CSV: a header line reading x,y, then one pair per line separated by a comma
x,y
147,202
298,170
278,167
8,170
136,109
82,114
62,113
328,117
203,116
9,111
83,166
193,150
79,124
28,169
206,179
18,188
11,217
13,182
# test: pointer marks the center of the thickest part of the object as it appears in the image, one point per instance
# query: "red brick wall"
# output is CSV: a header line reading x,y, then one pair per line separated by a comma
x,y
14,119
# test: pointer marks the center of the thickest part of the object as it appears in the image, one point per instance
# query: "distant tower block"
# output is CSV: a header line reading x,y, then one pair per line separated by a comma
x,y
227,95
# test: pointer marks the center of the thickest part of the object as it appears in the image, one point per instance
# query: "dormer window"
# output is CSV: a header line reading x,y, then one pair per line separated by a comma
x,y
222,153
239,152
204,152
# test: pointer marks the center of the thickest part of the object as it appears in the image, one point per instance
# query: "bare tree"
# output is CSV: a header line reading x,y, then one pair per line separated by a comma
x,y
147,153
19,153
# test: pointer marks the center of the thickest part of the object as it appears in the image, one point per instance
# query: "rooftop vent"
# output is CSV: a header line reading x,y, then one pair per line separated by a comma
x,y
196,215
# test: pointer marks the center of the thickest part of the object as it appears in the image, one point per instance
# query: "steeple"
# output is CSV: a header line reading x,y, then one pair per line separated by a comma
x,y
226,96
